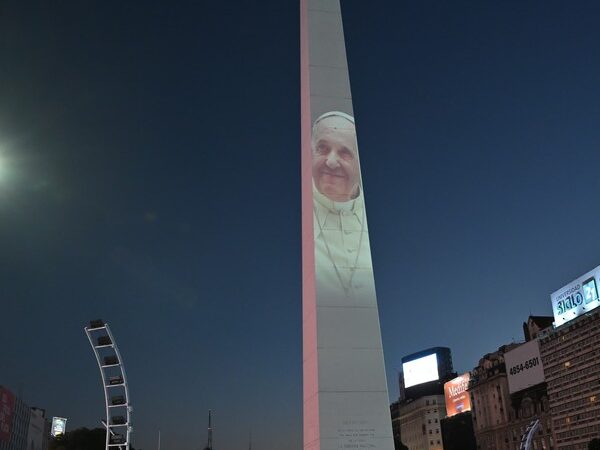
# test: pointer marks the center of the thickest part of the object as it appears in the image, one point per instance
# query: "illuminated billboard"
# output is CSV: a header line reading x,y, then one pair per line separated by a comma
x,y
458,399
7,408
420,370
576,298
346,402
59,425
524,366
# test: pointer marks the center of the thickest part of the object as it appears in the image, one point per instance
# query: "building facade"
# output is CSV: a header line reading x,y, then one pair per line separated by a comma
x,y
396,430
490,401
571,357
536,325
39,430
457,432
527,406
500,419
420,425
19,416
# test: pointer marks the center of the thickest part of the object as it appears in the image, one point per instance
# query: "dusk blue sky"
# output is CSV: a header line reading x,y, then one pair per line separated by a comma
x,y
149,176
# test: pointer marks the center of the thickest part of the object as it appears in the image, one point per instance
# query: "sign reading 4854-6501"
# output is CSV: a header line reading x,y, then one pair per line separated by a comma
x,y
524,366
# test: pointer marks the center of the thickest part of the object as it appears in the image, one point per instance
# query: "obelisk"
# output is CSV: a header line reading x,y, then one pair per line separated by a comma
x,y
346,404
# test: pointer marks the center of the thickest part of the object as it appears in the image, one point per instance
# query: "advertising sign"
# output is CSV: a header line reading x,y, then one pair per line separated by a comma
x,y
524,366
35,432
576,298
420,370
59,425
7,408
458,399
346,403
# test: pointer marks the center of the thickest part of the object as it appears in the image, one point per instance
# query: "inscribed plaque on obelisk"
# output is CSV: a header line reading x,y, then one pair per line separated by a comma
x,y
346,404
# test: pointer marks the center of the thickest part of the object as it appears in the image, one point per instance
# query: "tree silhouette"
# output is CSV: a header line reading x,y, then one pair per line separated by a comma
x,y
81,439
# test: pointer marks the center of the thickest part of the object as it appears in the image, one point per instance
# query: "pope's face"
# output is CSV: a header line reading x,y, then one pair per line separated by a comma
x,y
335,159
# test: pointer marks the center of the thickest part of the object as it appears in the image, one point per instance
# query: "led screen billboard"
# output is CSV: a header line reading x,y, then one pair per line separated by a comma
x,y
7,408
420,370
59,425
576,298
458,399
524,366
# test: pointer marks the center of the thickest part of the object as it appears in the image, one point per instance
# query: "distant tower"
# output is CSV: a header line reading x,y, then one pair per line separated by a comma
x,y
209,445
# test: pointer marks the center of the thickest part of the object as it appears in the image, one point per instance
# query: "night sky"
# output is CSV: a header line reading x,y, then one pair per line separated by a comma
x,y
149,176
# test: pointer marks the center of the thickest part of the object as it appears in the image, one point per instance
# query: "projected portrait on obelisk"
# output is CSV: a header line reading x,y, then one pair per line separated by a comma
x,y
346,404
344,274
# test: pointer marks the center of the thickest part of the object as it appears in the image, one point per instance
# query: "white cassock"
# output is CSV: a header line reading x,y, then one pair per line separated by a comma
x,y
344,272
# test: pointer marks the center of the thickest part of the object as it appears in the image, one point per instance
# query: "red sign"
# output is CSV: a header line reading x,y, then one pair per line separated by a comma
x,y
7,406
457,396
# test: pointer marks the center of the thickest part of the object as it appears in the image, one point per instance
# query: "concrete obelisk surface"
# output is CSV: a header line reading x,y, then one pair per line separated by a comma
x,y
346,404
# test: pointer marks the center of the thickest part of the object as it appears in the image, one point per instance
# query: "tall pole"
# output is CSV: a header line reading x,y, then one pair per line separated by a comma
x,y
210,445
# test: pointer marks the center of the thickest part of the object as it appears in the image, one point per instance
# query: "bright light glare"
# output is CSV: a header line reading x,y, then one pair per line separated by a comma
x,y
6,171
2,165
9,173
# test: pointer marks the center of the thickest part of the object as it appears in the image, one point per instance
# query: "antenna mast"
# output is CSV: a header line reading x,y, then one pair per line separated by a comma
x,y
209,446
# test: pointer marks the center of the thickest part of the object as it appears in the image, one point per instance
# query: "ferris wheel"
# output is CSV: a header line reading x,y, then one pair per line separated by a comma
x,y
114,383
